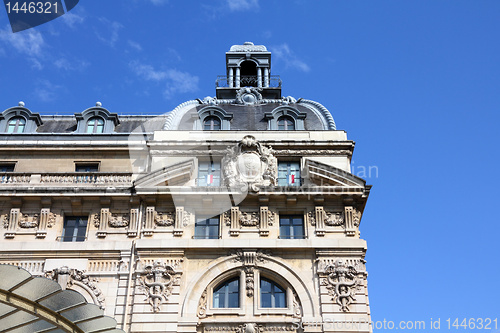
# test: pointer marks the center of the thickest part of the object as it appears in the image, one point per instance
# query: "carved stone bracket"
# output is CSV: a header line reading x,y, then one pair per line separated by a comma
x,y
250,257
68,277
342,282
156,282
352,220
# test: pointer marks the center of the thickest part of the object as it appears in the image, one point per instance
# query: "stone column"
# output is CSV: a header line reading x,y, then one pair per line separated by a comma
x,y
266,77
237,77
231,77
259,77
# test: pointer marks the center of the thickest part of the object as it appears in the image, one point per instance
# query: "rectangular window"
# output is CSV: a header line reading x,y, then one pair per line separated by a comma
x,y
7,167
75,229
207,228
208,173
86,167
289,173
292,227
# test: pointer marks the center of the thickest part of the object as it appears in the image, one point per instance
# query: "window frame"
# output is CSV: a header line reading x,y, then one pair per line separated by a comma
x,y
290,227
17,120
207,227
89,164
216,173
212,119
227,293
229,275
95,125
272,292
78,237
283,181
285,119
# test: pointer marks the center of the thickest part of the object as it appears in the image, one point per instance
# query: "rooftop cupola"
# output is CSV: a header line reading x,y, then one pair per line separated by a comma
x,y
248,65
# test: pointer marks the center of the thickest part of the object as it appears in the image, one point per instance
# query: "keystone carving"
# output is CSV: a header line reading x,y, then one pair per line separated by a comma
x,y
156,282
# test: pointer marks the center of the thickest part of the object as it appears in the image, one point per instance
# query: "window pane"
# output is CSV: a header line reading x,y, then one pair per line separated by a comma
x,y
208,173
292,227
226,295
75,229
271,295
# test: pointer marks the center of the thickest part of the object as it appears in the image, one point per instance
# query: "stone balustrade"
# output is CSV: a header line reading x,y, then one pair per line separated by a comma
x,y
63,179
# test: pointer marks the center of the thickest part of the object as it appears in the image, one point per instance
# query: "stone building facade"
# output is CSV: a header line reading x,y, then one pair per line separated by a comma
x,y
233,213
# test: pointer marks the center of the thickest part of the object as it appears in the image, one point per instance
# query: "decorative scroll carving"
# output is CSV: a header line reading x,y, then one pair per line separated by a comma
x,y
249,280
342,282
297,309
202,305
119,220
334,218
156,282
249,219
271,218
164,219
356,217
28,221
249,164
68,277
5,221
312,217
186,218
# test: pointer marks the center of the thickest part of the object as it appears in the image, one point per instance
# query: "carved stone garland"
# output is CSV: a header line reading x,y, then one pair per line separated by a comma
x,y
249,164
342,282
156,282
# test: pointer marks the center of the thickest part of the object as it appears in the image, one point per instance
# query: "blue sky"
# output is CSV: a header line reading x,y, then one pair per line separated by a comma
x,y
414,83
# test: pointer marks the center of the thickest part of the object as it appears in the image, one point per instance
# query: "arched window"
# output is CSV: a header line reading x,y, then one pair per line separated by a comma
x,y
16,125
211,123
227,294
95,125
272,295
286,123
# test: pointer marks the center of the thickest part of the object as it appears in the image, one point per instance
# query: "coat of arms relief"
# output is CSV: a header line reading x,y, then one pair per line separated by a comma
x,y
249,164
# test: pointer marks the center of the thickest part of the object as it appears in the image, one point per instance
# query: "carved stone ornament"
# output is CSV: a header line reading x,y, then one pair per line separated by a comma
x,y
249,280
342,282
202,305
248,95
250,258
118,220
164,219
249,219
249,164
226,217
311,216
156,282
28,221
334,218
356,217
96,219
186,218
68,277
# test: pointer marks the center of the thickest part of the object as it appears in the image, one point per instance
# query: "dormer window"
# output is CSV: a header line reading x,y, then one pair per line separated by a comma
x,y
211,123
95,125
16,125
286,123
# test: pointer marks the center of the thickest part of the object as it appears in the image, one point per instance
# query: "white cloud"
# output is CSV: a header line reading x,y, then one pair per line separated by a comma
x,y
46,91
135,45
282,52
72,19
176,81
242,5
65,64
108,32
158,2
29,43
